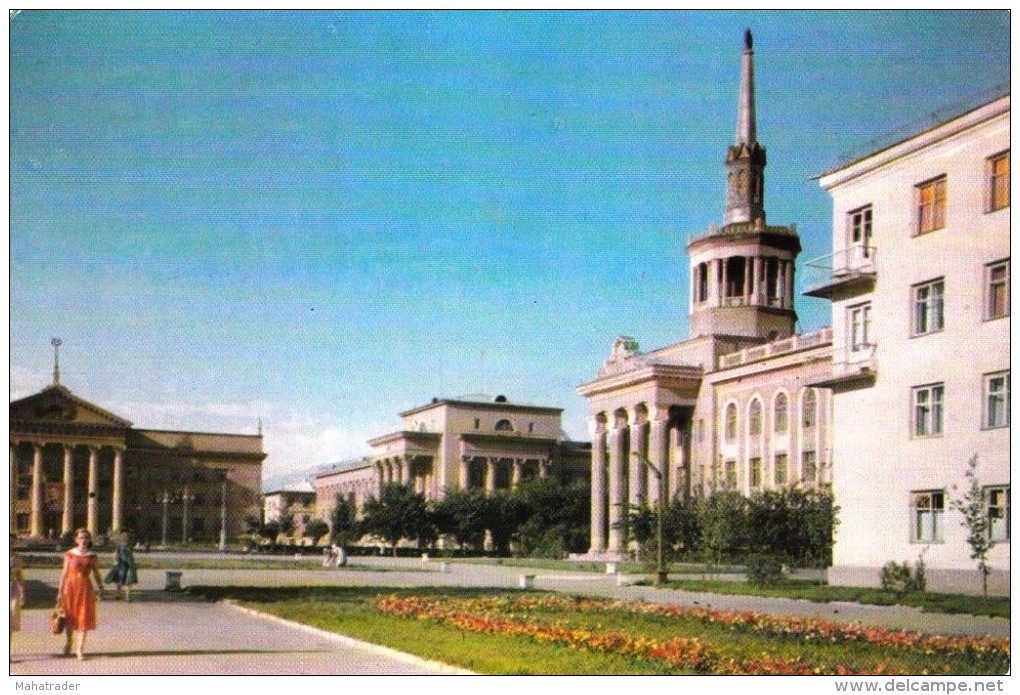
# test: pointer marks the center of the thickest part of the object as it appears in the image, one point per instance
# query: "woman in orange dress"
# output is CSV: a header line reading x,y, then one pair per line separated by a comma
x,y
76,595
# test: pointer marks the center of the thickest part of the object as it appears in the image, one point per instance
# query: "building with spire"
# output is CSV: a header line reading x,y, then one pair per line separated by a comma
x,y
732,406
74,464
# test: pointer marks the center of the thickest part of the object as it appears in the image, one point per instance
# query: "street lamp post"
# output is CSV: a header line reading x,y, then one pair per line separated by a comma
x,y
185,498
660,569
223,511
165,499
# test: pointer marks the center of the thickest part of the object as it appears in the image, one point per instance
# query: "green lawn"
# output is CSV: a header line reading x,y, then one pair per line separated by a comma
x,y
352,611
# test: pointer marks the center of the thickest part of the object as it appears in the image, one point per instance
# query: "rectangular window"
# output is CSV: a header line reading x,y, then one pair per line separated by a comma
x,y
860,229
999,184
731,475
929,303
997,400
928,410
756,472
782,469
931,206
808,467
860,326
928,510
997,505
997,284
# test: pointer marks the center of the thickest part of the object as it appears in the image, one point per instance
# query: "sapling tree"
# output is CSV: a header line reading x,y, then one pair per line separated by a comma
x,y
971,504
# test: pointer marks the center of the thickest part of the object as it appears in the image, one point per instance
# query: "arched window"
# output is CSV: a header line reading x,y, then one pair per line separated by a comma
x,y
809,409
782,407
731,422
755,417
504,426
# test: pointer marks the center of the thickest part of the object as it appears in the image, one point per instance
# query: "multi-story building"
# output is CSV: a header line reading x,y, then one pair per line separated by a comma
x,y
74,464
919,284
732,406
458,444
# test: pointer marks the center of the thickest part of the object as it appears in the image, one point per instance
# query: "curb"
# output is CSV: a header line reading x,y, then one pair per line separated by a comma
x,y
438,666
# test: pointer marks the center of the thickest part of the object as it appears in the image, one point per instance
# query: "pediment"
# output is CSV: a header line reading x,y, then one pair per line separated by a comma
x,y
58,404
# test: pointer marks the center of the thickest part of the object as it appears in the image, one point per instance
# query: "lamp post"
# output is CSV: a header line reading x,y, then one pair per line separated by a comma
x,y
185,498
165,499
660,568
223,511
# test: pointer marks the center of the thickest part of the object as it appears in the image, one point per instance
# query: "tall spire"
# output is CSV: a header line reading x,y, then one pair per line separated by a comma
x,y
56,343
745,158
745,112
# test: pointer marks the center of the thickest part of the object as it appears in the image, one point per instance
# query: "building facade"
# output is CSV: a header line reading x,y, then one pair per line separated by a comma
x,y
919,284
459,444
733,406
74,464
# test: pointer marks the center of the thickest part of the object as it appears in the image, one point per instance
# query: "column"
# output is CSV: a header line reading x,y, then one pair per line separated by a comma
x,y
598,492
658,454
37,491
516,475
117,519
725,281
490,476
12,488
380,478
93,512
788,276
67,521
695,269
638,471
748,262
405,470
465,472
617,488
759,280
676,445
719,281
543,468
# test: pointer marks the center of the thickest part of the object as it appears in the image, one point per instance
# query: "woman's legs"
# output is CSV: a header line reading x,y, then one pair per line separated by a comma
x,y
81,646
70,641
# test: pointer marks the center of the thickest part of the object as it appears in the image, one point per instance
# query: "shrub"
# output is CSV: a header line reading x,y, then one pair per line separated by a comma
x,y
764,570
897,577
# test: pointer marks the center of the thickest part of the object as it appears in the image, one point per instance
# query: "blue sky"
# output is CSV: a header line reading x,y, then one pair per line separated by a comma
x,y
321,219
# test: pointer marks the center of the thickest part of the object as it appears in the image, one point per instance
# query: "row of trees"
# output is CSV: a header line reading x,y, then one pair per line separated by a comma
x,y
540,518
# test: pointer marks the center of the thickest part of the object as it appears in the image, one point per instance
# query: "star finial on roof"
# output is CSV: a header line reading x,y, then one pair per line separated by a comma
x,y
56,343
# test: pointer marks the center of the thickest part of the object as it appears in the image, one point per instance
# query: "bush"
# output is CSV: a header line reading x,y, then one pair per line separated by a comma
x,y
764,570
897,577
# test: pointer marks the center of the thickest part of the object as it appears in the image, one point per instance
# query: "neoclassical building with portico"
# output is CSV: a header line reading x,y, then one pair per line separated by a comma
x,y
74,464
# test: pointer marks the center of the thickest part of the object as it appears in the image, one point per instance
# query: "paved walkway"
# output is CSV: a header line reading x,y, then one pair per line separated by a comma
x,y
161,633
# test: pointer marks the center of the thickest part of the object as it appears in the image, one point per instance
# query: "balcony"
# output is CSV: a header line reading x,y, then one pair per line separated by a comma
x,y
856,369
848,271
802,341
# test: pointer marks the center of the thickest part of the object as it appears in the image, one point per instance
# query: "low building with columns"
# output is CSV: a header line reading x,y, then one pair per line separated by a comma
x,y
732,407
458,444
74,464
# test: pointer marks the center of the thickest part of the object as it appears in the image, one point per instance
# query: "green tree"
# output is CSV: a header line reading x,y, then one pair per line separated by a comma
x,y
285,524
971,505
343,523
722,518
461,514
397,513
557,517
504,512
315,529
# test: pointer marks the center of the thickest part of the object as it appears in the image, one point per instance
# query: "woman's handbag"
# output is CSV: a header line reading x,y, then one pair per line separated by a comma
x,y
57,620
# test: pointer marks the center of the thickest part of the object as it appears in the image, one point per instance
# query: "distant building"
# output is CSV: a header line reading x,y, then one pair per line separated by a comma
x,y
297,497
734,406
458,444
920,287
74,464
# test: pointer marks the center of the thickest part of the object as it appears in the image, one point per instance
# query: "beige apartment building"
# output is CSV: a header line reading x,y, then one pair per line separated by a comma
x,y
464,443
733,406
919,284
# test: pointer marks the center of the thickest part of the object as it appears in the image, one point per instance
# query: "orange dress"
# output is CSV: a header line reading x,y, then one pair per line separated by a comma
x,y
78,595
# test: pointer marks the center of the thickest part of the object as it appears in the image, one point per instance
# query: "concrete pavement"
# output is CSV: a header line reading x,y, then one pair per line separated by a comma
x,y
161,633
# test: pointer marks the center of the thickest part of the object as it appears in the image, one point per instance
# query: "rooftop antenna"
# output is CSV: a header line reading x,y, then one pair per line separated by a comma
x,y
56,343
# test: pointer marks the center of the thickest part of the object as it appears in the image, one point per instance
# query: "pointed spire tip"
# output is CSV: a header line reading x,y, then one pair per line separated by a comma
x,y
748,39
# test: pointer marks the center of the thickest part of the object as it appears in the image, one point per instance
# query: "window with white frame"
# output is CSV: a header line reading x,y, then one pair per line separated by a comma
x,y
782,469
754,417
997,289
997,507
859,320
928,507
928,410
931,205
860,229
731,422
782,408
997,400
755,472
808,467
809,409
929,307
998,193
731,475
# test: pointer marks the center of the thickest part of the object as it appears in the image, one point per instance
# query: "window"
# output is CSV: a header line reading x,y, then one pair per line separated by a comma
x,y
999,184
928,410
755,417
810,408
928,510
860,228
997,283
997,400
997,505
731,475
731,422
931,206
808,467
782,409
860,326
755,466
782,469
504,426
928,307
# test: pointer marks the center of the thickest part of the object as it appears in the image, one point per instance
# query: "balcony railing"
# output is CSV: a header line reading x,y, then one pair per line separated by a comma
x,y
854,368
847,268
779,347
